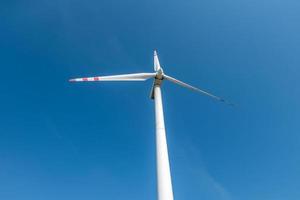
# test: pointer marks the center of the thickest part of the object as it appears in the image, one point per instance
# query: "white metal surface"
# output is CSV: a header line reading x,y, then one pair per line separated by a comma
x,y
122,77
164,183
183,84
156,62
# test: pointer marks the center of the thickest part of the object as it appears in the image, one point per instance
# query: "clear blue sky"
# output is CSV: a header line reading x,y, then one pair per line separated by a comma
x,y
96,140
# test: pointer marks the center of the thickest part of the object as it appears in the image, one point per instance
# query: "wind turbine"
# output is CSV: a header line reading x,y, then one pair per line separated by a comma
x,y
164,183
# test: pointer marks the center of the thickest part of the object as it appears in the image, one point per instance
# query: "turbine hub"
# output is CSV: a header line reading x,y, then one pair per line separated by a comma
x,y
159,74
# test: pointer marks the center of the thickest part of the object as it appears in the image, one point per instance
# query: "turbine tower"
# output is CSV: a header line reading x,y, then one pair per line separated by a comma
x,y
164,182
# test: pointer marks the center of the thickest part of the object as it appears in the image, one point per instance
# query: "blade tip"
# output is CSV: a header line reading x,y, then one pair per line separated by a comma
x,y
226,102
72,80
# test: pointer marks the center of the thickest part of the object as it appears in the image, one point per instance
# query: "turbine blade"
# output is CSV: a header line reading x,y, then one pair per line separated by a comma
x,y
196,89
156,62
122,77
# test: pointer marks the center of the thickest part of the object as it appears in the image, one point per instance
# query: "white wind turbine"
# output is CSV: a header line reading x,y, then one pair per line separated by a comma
x,y
164,183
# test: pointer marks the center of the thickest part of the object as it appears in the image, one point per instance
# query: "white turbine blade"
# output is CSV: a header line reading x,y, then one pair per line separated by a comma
x,y
195,89
123,77
156,62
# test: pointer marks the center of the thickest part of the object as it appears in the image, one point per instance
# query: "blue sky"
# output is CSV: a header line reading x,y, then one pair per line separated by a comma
x,y
96,141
